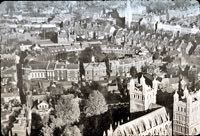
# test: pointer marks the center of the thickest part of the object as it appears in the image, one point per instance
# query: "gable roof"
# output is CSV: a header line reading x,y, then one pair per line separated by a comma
x,y
143,123
39,65
72,66
51,66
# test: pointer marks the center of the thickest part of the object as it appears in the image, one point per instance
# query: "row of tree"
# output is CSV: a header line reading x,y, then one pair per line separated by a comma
x,y
70,110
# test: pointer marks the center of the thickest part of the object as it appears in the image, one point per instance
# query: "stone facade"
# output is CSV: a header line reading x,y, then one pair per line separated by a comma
x,y
52,71
142,96
186,117
95,71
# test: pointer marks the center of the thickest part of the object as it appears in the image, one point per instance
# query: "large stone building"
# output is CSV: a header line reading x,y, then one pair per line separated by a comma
x,y
155,119
95,71
186,117
51,71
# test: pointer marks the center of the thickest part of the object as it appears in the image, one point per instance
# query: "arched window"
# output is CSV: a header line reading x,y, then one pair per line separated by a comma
x,y
194,132
166,127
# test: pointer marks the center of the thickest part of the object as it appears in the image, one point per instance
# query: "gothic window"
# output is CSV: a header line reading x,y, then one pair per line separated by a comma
x,y
183,118
155,132
150,123
161,119
138,130
156,121
181,129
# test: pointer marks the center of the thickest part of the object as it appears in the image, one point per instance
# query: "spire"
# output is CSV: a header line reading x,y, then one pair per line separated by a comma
x,y
132,85
104,133
176,97
185,92
142,82
189,99
118,123
142,79
111,128
155,84
122,121
110,131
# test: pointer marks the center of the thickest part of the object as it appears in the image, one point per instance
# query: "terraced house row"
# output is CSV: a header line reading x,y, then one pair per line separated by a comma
x,y
51,71
70,72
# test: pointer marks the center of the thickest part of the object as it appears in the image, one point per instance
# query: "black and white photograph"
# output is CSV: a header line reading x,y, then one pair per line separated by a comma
x,y
100,68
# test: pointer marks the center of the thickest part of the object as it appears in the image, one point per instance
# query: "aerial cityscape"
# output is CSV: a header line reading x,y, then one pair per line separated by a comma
x,y
100,68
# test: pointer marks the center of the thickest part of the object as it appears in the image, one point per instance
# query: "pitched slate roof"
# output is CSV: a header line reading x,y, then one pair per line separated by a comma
x,y
60,65
141,124
72,66
51,66
39,65
100,65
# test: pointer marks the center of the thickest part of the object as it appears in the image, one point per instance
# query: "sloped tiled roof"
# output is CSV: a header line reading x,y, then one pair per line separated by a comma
x,y
72,66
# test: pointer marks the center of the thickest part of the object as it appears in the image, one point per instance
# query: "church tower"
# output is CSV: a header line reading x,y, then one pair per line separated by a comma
x,y
142,95
128,13
186,117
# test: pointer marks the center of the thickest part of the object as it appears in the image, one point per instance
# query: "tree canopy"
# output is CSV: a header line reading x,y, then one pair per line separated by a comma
x,y
49,35
133,72
67,110
55,89
72,131
96,104
69,56
88,52
86,55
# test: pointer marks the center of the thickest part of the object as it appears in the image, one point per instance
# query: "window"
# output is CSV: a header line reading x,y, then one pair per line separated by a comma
x,y
178,108
181,109
41,74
